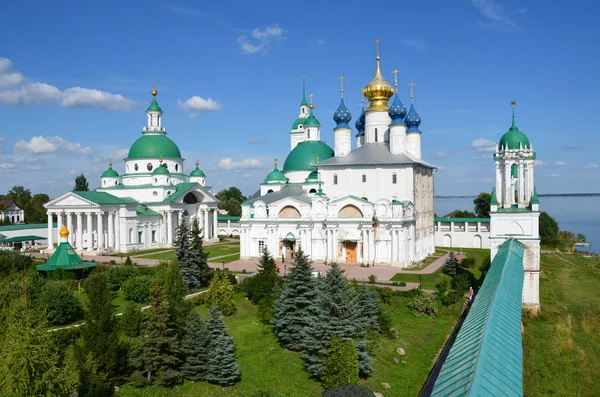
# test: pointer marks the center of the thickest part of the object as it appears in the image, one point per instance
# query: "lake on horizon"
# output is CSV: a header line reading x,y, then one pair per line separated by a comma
x,y
575,214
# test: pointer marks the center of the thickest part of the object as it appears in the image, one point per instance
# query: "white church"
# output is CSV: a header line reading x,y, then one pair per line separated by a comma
x,y
371,204
142,207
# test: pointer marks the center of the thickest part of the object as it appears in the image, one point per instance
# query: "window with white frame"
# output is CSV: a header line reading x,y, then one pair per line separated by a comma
x,y
364,178
261,246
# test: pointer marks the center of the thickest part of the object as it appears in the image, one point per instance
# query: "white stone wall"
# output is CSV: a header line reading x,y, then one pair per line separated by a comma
x,y
462,234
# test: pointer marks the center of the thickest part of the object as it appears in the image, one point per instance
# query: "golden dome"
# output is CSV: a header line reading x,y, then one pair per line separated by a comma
x,y
378,92
64,232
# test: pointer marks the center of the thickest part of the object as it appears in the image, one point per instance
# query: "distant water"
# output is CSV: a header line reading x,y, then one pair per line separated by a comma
x,y
575,214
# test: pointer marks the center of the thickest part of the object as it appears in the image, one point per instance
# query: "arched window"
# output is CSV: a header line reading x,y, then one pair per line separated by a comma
x,y
350,211
155,193
375,134
312,190
308,134
165,165
149,166
104,183
176,167
289,212
394,179
116,183
335,179
155,180
190,198
135,167
270,191
364,178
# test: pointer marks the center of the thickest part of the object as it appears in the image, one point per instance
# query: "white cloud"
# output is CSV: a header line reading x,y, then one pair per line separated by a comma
x,y
72,173
554,176
15,90
50,144
559,163
258,40
6,166
443,155
2,141
197,105
483,156
495,15
414,43
254,141
484,145
228,164
317,42
540,163
112,156
590,165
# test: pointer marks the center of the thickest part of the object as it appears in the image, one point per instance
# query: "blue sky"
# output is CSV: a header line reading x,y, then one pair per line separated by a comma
x,y
75,79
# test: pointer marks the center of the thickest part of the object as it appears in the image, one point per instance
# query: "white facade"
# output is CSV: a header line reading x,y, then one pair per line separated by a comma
x,y
366,205
12,212
462,233
142,208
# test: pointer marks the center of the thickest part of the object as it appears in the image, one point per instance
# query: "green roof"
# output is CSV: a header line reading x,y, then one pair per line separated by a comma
x,y
228,218
494,200
160,170
482,220
104,198
535,199
18,239
297,123
145,211
110,173
64,258
154,146
486,359
312,120
25,226
313,176
198,172
275,176
179,190
154,106
304,156
514,138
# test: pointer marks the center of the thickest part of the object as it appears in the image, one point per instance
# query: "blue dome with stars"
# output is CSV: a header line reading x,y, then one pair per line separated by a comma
x,y
397,111
360,123
342,116
412,120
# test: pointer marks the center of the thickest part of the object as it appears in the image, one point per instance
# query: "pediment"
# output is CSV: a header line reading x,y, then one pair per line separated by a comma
x,y
70,200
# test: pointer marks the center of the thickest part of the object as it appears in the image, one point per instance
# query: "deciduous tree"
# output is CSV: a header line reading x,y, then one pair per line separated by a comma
x,y
81,184
482,205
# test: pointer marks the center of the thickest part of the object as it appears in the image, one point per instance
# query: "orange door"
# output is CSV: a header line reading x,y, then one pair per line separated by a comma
x,y
350,252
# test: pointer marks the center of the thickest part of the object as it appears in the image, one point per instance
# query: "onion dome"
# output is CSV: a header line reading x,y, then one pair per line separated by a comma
x,y
275,176
63,232
197,171
342,116
378,92
313,177
412,120
397,111
360,122
514,139
154,106
304,156
312,121
298,123
160,171
110,173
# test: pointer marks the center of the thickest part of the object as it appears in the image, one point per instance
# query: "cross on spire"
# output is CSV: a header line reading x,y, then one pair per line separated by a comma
x,y
377,41
311,104
412,94
395,72
275,162
303,87
154,92
341,79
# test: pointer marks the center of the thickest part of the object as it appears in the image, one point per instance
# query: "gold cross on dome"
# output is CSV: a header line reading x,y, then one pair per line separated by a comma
x,y
310,96
275,161
412,94
377,41
317,159
341,79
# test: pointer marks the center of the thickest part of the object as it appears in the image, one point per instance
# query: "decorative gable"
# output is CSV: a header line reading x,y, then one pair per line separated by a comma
x,y
70,200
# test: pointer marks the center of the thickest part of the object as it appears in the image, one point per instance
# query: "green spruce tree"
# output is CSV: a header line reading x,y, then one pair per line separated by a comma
x,y
157,355
340,366
196,347
370,310
220,293
198,258
223,368
451,266
175,292
266,279
29,362
294,309
336,313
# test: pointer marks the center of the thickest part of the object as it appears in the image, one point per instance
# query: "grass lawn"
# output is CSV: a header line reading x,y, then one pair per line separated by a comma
x,y
163,256
429,260
226,259
146,252
562,345
217,250
267,368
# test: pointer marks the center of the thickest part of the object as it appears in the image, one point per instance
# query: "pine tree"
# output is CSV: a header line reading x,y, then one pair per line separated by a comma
x,y
199,257
368,304
157,355
336,314
220,293
266,279
29,362
223,367
100,342
81,184
195,346
451,266
294,310
175,292
340,366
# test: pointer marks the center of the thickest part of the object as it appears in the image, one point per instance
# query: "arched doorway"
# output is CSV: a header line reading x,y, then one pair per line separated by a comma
x,y
477,241
289,212
447,240
287,248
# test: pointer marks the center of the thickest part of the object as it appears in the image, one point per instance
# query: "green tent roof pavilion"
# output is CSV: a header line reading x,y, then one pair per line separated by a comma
x,y
64,257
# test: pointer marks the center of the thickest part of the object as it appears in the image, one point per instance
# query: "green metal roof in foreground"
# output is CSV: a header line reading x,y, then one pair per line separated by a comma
x,y
19,239
304,156
486,358
154,146
64,258
145,211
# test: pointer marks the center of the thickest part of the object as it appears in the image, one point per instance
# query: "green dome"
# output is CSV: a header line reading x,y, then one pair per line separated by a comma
x,y
275,176
198,172
110,173
297,123
313,176
154,146
304,156
513,138
312,120
160,170
154,106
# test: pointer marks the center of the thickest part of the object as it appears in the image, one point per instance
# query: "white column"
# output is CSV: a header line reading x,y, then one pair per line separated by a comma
x,y
111,232
117,226
50,231
215,223
59,221
531,181
392,245
179,216
169,227
521,185
507,186
79,231
100,232
70,227
498,184
205,218
90,231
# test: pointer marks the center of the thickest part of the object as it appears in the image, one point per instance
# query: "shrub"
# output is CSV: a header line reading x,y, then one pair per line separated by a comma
x,y
60,304
340,365
61,274
117,275
372,278
451,266
220,293
137,289
128,261
461,283
129,322
468,262
424,305
386,295
451,298
443,285
13,261
230,275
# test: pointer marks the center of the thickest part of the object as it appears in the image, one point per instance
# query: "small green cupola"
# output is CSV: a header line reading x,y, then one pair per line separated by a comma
x,y
154,107
110,173
161,170
197,172
313,177
275,176
514,139
312,121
